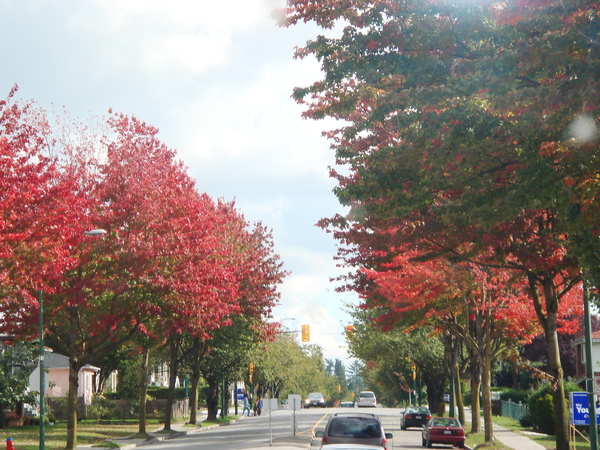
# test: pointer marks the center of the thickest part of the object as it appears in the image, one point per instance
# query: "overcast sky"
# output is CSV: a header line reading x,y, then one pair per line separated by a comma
x,y
215,78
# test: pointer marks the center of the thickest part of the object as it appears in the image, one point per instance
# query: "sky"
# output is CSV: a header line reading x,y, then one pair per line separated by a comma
x,y
216,79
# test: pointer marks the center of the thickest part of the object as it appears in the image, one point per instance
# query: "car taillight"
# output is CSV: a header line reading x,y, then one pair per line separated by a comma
x,y
429,416
384,443
408,416
323,440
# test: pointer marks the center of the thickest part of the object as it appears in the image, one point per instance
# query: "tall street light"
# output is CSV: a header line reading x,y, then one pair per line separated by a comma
x,y
42,380
96,232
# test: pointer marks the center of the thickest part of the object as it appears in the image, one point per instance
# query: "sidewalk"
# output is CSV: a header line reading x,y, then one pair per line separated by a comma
x,y
516,441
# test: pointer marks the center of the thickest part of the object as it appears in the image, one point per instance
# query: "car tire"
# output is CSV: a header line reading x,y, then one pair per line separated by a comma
x,y
403,427
462,445
429,443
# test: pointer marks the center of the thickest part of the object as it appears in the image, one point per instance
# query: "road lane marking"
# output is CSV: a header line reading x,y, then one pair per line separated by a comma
x,y
318,423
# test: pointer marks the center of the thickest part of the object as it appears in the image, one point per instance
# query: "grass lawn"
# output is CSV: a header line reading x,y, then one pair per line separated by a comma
x,y
548,442
27,437
88,432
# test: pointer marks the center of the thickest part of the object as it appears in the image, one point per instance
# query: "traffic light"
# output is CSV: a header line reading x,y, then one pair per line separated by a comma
x,y
305,333
349,332
250,371
414,371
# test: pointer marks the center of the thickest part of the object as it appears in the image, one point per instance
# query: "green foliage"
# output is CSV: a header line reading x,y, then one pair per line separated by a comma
x,y
541,406
542,411
103,409
527,421
16,363
161,393
389,356
514,395
128,384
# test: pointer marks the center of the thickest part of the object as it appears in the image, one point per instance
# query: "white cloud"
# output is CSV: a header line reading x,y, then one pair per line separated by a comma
x,y
188,35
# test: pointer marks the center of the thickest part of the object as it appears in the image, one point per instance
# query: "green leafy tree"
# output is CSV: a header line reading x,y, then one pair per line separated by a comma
x,y
16,363
389,356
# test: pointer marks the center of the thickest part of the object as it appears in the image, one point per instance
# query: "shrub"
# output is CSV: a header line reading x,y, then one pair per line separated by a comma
x,y
526,421
161,393
103,409
514,395
541,406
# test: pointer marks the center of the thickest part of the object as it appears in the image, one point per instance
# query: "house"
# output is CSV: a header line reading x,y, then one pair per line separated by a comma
x,y
57,378
580,363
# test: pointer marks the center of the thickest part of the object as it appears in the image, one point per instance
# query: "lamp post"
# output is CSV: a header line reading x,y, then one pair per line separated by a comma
x,y
42,374
96,232
589,368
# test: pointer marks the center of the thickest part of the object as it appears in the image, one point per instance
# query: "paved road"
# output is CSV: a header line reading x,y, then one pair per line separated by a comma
x,y
252,432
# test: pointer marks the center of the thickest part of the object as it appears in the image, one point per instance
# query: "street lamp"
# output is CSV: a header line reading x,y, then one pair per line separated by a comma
x,y
42,380
96,232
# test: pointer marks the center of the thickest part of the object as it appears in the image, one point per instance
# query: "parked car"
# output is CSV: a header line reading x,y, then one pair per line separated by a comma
x,y
414,416
443,430
315,399
353,428
347,405
366,398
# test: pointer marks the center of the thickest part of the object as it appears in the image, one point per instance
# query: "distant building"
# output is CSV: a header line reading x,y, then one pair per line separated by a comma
x,y
57,378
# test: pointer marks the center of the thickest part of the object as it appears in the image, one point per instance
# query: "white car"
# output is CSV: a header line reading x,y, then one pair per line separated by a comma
x,y
366,399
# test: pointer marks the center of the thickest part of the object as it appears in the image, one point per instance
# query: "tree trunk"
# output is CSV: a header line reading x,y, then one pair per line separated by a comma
x,y
143,391
225,397
72,405
549,319
173,368
212,401
435,392
485,392
460,403
475,388
195,380
561,412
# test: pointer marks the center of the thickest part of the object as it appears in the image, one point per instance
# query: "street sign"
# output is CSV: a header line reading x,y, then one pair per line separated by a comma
x,y
240,394
270,404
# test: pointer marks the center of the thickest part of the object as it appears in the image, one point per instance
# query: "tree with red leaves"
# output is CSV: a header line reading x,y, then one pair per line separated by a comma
x,y
472,124
168,264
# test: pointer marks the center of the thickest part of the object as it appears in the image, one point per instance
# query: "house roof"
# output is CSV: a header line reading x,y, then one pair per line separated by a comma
x,y
580,338
57,361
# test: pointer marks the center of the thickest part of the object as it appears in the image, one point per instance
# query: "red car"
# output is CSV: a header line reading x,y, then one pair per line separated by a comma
x,y
443,430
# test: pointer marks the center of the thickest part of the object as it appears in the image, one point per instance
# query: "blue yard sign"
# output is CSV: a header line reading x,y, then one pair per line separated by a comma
x,y
580,411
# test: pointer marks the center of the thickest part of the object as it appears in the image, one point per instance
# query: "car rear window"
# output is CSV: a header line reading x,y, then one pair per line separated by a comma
x,y
367,394
445,423
355,427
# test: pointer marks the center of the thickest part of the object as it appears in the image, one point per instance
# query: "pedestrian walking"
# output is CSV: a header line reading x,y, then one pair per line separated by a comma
x,y
246,406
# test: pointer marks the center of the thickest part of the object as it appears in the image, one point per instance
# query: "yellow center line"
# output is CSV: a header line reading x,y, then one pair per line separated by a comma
x,y
312,430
